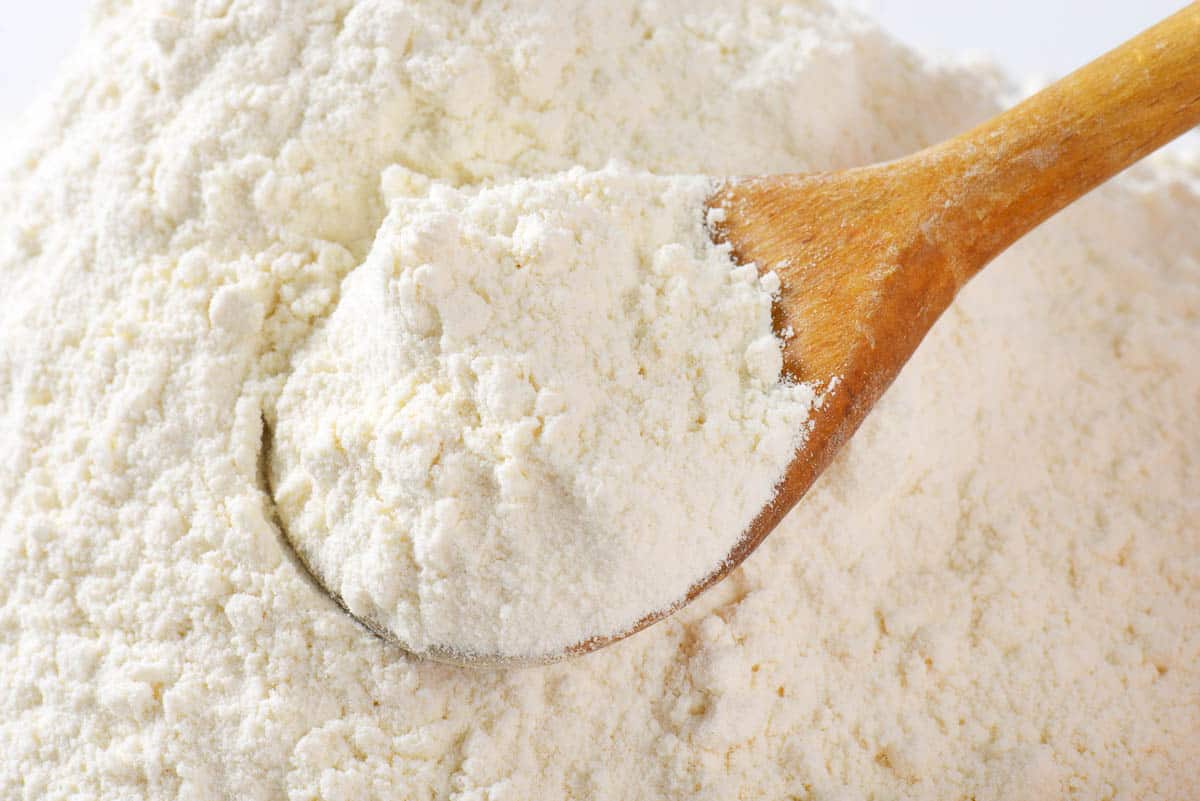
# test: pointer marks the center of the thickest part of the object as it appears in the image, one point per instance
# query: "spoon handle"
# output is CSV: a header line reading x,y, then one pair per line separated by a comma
x,y
1006,176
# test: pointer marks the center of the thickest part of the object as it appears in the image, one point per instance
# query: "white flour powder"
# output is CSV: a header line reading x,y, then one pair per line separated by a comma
x,y
993,594
538,413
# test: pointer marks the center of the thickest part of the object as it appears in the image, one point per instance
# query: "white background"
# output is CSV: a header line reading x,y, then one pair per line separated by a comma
x,y
1036,39
1033,38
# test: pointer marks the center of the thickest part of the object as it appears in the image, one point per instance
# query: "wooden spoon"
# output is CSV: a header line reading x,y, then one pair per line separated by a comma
x,y
869,258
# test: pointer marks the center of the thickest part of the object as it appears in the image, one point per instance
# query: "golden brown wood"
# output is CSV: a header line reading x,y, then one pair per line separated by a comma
x,y
869,258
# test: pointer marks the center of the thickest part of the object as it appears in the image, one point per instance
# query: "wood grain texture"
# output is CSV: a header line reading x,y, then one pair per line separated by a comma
x,y
869,258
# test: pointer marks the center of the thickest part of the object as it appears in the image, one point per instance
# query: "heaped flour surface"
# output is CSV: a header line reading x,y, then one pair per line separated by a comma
x,y
517,430
993,594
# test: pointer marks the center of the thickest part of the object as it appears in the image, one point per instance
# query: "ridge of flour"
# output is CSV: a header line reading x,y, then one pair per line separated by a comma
x,y
539,412
993,593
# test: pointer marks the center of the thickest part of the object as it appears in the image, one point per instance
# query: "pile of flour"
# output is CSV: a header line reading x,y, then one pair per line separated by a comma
x,y
994,593
539,412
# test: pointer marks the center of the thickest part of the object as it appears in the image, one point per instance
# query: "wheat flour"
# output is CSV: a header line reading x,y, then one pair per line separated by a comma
x,y
993,594
539,412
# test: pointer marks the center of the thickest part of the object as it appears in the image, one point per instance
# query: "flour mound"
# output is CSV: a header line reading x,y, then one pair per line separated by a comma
x,y
540,412
992,593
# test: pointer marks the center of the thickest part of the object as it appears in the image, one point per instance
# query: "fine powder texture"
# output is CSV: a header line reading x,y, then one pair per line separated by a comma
x,y
993,593
538,413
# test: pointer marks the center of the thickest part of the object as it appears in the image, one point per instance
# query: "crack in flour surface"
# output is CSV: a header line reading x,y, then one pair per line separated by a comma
x,y
993,593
